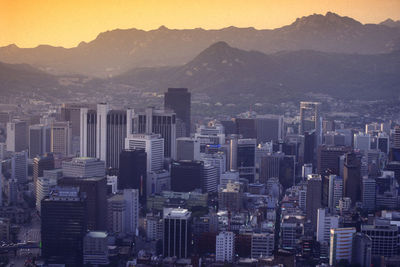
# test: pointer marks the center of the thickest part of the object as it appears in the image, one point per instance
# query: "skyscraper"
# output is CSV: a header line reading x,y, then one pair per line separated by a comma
x,y
310,118
17,136
325,223
61,138
41,163
132,171
177,233
19,167
187,175
352,177
246,157
269,128
178,100
341,244
88,132
225,247
313,198
335,192
39,140
63,226
84,168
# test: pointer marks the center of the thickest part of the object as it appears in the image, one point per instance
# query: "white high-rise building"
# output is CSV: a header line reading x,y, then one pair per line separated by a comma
x,y
362,141
43,186
335,192
19,167
210,178
116,214
341,244
325,222
153,144
225,247
131,197
84,168
187,149
262,245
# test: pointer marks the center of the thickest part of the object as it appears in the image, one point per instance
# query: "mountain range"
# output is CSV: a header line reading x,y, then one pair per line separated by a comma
x,y
118,51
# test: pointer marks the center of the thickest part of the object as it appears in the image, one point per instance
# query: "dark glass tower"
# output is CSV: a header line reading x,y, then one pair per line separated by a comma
x,y
178,99
186,175
63,226
132,171
352,177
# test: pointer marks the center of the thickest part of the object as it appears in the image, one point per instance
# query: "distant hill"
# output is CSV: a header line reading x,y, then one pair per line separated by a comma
x,y
225,72
115,52
391,23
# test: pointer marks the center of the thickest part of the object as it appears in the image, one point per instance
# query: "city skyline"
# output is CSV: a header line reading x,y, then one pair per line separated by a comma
x,y
59,23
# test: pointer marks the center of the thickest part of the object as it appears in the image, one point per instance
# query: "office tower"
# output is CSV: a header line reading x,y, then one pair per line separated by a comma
x,y
187,175
269,128
325,223
287,171
116,211
396,137
132,171
270,166
291,230
177,233
72,112
187,149
233,150
17,136
313,200
362,249
154,227
329,158
39,140
61,138
95,189
41,163
12,191
335,192
230,198
88,133
178,100
44,185
334,139
341,243
310,118
309,147
160,122
158,181
352,177
246,157
19,167
153,145
83,168
368,193
3,150
387,246
63,226
362,141
5,116
246,128
383,143
227,177
210,178
95,249
112,184
131,197
344,205
210,135
217,160
262,245
225,247
306,169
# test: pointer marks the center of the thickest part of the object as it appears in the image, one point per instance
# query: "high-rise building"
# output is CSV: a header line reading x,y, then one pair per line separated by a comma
x,y
210,178
63,226
384,237
39,140
187,175
313,199
246,128
352,177
132,172
187,149
44,185
383,143
362,141
246,157
3,150
88,132
325,223
287,169
230,198
153,145
95,189
362,250
368,193
341,244
72,112
177,233
178,100
396,137
19,167
116,211
310,118
329,158
225,247
262,245
95,249
335,192
83,168
269,166
269,128
41,163
17,136
161,122
61,138
131,197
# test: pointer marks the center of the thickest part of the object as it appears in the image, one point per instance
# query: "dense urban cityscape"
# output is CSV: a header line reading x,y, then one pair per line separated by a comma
x,y
97,185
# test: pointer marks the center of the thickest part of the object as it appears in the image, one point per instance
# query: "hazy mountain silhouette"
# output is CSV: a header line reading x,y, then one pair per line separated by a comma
x,y
391,23
224,71
117,51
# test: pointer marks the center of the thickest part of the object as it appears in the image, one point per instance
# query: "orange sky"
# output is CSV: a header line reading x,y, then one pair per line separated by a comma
x,y
29,23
